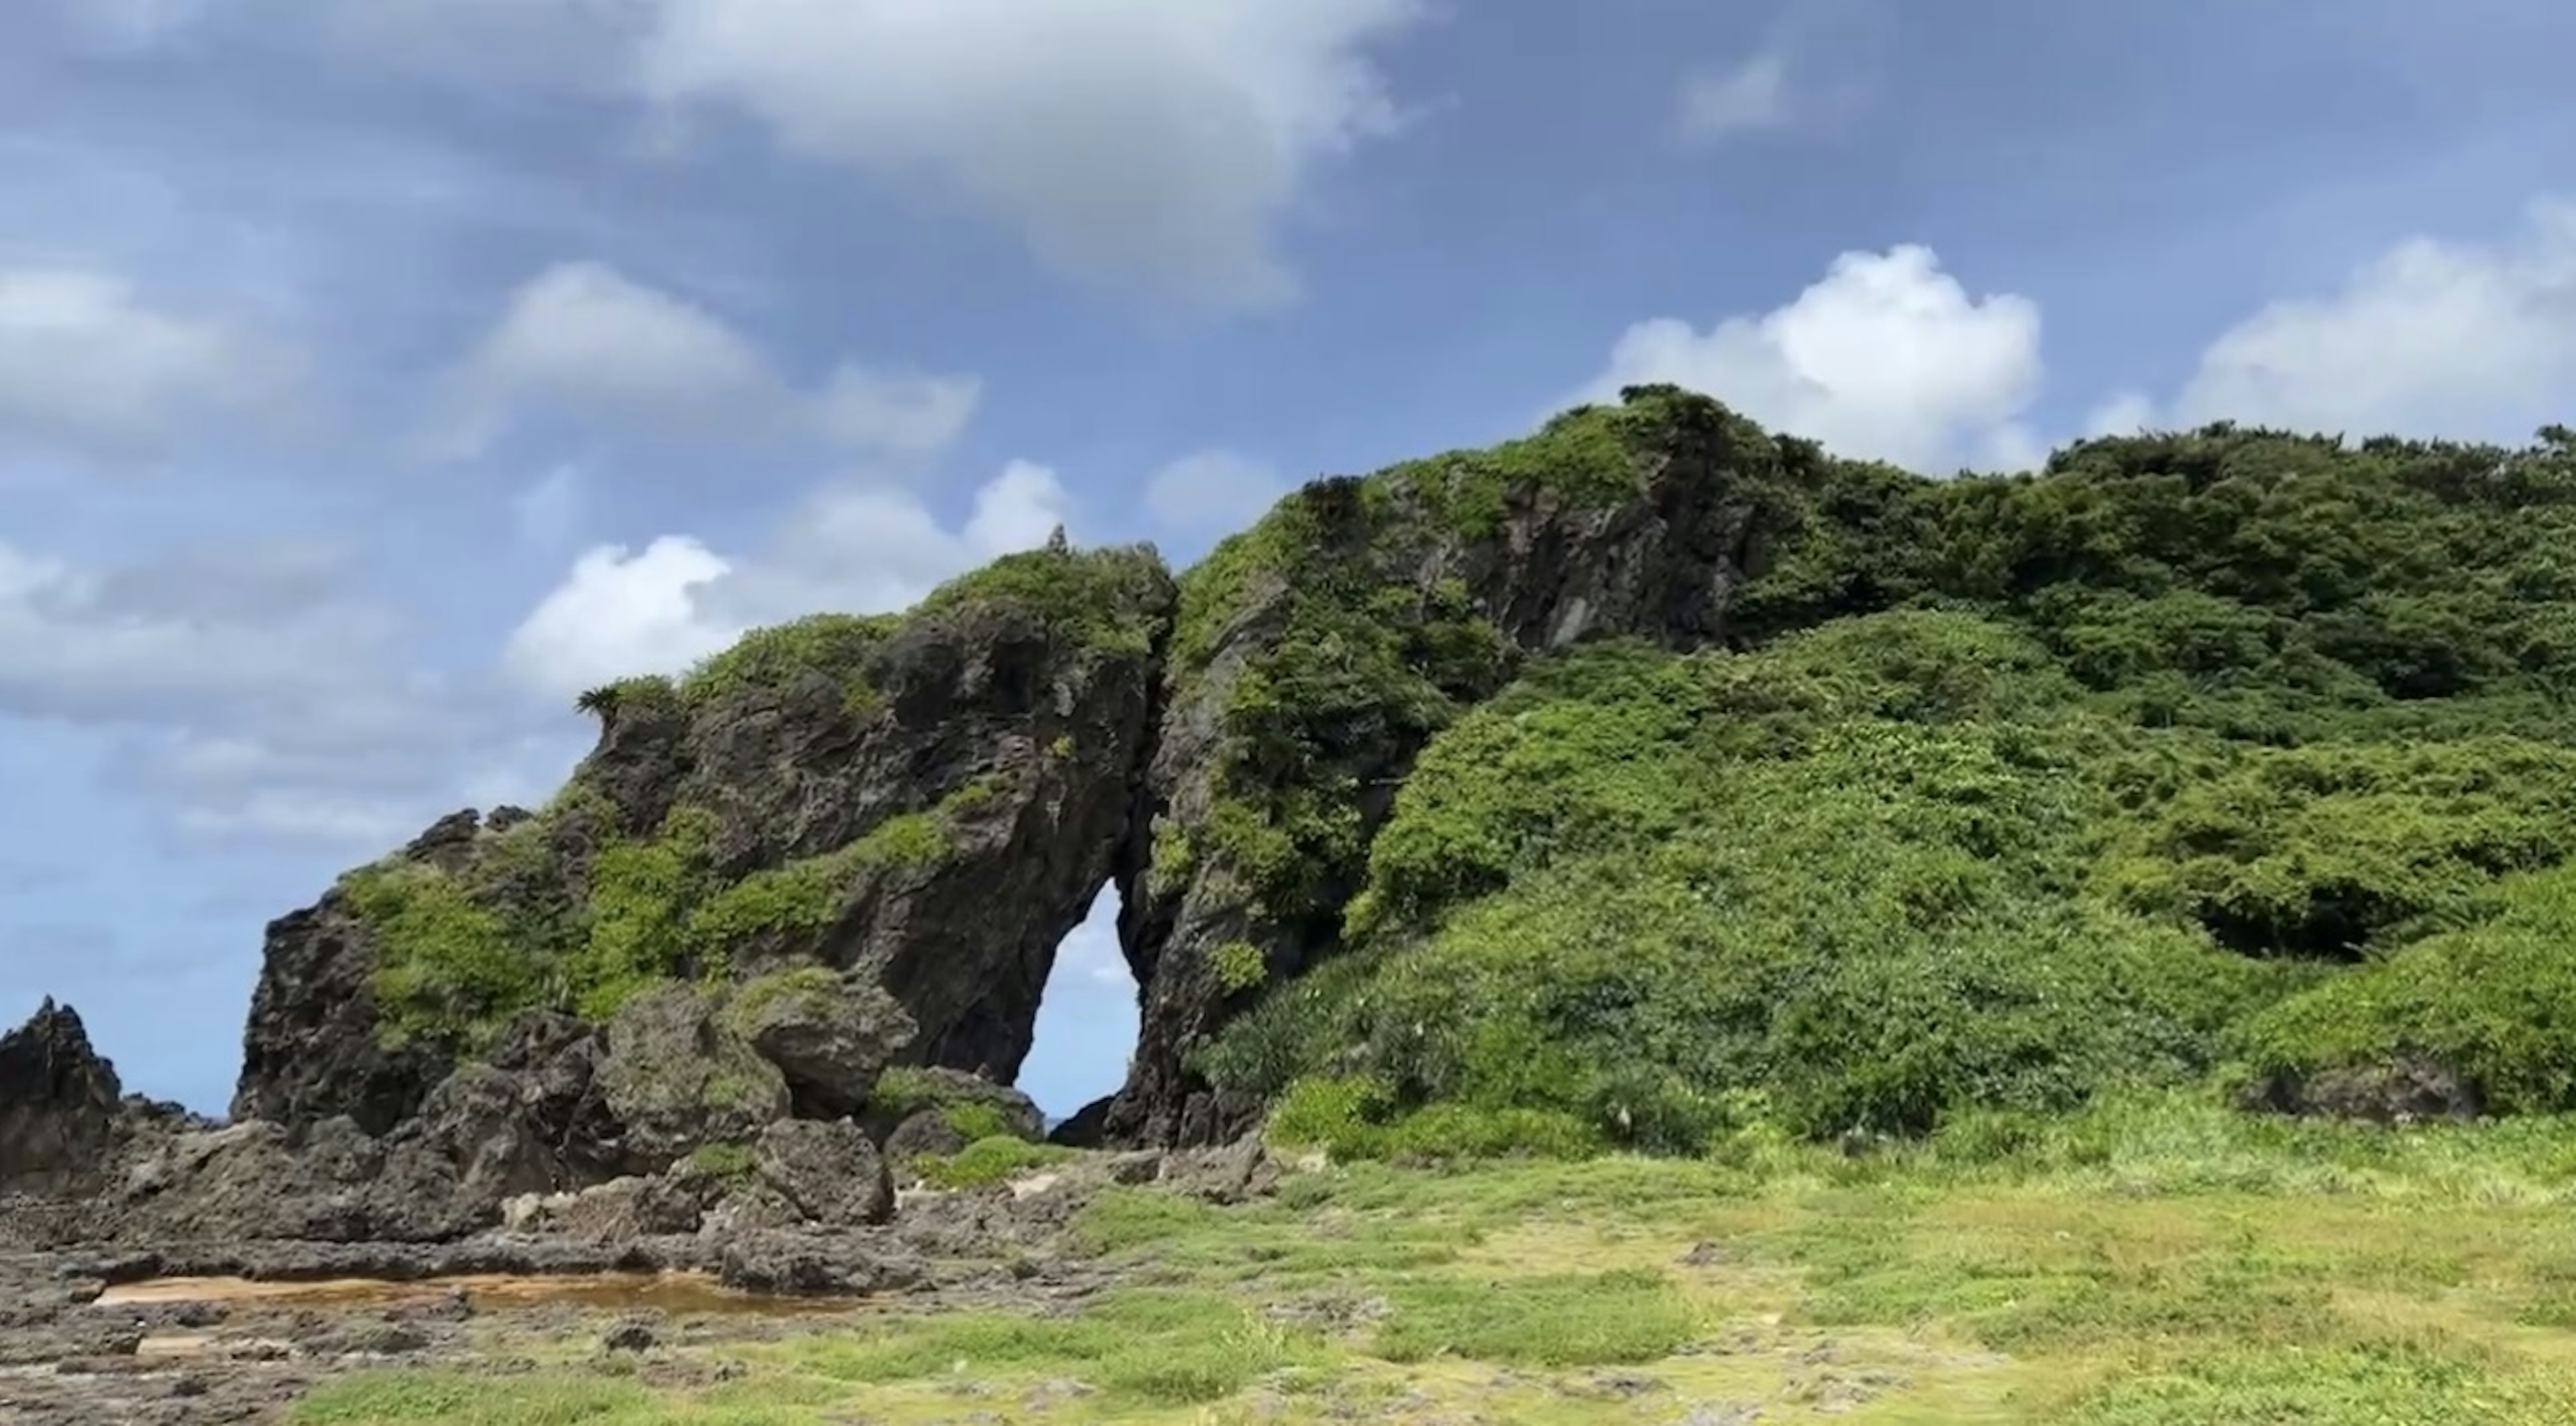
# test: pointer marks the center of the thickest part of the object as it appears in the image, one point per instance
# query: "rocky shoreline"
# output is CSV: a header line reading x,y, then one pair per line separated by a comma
x,y
461,1228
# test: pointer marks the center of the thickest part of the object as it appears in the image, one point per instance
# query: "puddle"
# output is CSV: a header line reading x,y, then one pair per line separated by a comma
x,y
175,1344
679,1294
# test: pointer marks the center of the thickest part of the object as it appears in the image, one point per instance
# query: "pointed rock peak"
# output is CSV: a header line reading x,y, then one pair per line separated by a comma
x,y
58,1104
55,1026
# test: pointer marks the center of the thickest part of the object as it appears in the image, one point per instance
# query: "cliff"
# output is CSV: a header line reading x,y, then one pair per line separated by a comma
x,y
911,811
1644,778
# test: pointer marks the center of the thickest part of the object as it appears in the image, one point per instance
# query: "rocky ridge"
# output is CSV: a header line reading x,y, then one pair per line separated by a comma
x,y
796,909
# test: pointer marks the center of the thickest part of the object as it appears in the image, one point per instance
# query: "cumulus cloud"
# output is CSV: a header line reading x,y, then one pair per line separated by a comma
x,y
1212,491
1719,104
247,689
2435,337
586,339
87,364
620,612
852,548
1152,145
1886,357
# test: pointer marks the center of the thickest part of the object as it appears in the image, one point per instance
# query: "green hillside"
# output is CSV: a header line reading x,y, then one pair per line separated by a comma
x,y
2232,757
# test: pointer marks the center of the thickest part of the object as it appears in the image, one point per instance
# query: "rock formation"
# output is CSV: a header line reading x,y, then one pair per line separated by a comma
x,y
59,1106
850,845
860,839
1320,651
864,837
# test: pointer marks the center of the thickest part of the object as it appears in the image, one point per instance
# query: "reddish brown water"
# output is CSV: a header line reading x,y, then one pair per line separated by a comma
x,y
677,1293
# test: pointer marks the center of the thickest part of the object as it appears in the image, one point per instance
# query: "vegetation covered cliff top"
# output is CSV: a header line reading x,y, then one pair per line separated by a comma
x,y
1655,775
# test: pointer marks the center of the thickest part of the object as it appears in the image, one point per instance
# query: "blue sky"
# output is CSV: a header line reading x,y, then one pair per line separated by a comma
x,y
374,374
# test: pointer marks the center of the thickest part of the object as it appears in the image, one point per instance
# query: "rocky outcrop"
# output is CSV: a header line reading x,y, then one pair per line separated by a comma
x,y
897,818
60,1106
851,845
1321,651
677,1077
831,1035
2402,1090
314,1048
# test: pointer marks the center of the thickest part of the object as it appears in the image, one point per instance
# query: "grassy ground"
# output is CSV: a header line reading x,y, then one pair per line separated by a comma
x,y
2159,1262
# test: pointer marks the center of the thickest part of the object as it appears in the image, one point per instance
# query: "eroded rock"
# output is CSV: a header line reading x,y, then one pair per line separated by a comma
x,y
830,1034
828,1170
677,1076
60,1106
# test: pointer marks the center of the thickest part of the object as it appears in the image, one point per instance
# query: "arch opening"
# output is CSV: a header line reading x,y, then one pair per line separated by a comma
x,y
1087,1018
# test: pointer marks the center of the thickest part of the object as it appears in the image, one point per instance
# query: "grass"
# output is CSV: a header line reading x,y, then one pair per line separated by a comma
x,y
2156,1260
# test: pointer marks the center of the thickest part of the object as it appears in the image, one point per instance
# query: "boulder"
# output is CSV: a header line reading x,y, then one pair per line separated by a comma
x,y
828,1170
972,1106
930,1131
677,1076
830,1034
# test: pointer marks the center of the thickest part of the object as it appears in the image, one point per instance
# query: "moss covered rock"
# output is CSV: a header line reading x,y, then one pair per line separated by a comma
x,y
914,808
677,1076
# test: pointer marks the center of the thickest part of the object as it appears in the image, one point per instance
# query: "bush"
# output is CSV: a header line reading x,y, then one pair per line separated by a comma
x,y
2494,1002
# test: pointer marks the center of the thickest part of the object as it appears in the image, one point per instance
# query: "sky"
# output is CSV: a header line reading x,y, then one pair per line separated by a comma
x,y
377,374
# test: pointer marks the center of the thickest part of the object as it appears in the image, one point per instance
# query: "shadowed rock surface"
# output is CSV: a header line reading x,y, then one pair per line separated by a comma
x,y
59,1106
862,838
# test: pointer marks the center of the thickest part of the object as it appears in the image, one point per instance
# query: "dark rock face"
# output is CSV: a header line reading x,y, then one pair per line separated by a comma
x,y
311,1050
1542,569
2401,1091
59,1106
923,806
1086,1128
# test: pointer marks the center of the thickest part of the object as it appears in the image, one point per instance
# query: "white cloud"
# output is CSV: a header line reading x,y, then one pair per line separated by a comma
x,y
856,548
1153,145
2125,414
1150,142
85,363
593,342
1886,357
249,691
1752,96
620,612
1212,491
907,414
2433,338
1091,950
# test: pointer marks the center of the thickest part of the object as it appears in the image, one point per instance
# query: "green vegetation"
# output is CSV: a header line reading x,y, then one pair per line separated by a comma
x,y
965,1102
459,953
996,1157
732,1163
2146,1259
1356,664
2203,758
839,647
1108,601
